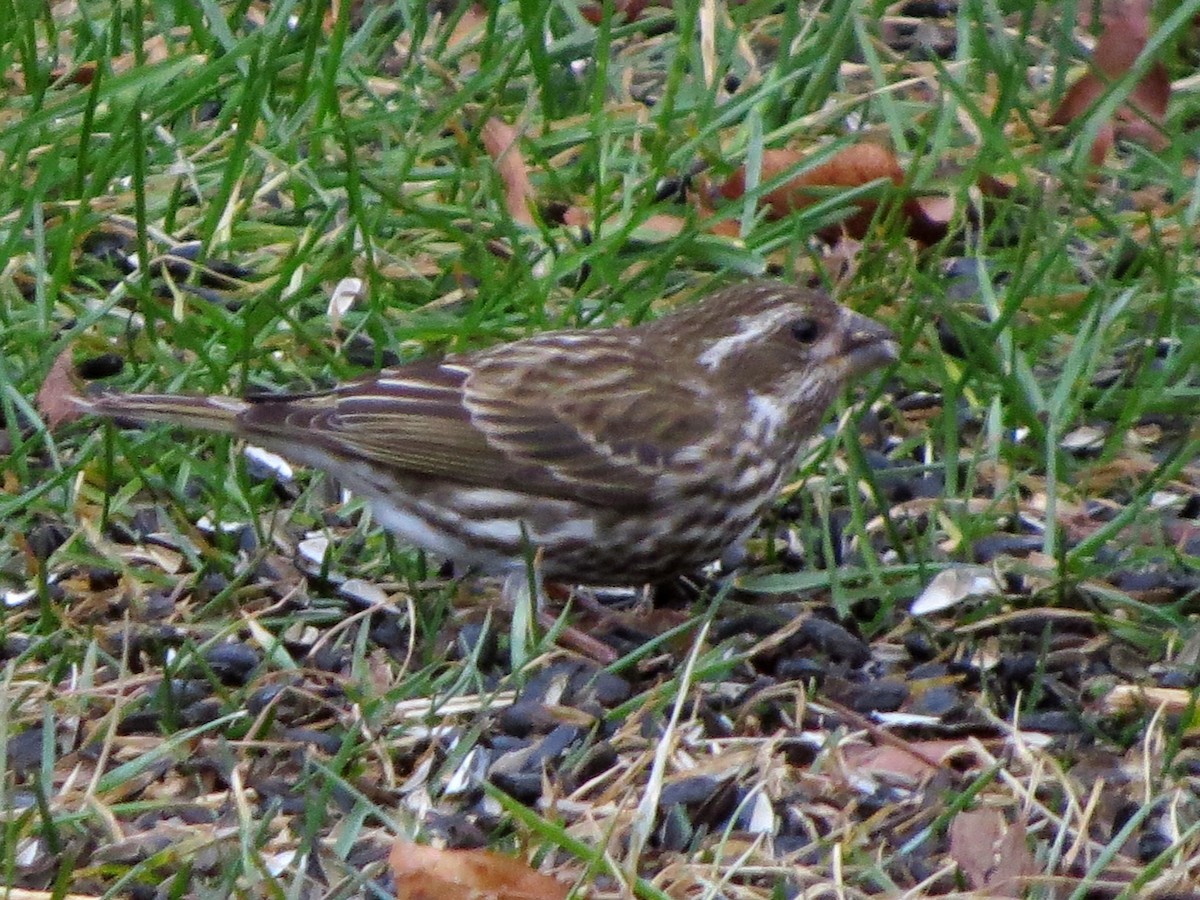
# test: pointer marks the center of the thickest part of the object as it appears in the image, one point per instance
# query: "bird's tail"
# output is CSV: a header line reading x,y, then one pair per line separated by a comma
x,y
218,414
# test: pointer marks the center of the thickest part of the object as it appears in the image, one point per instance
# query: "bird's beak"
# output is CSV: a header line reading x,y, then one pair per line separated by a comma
x,y
867,345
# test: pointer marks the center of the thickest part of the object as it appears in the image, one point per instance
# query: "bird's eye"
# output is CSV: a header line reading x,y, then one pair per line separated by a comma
x,y
805,330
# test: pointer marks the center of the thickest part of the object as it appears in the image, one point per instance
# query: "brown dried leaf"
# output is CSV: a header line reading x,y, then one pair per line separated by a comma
x,y
471,25
154,50
1140,118
1078,100
55,398
992,854
665,224
973,835
852,167
917,759
84,74
427,873
632,10
500,141
1015,864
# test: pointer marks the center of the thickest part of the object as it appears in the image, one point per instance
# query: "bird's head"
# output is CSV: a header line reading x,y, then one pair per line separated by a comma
x,y
791,348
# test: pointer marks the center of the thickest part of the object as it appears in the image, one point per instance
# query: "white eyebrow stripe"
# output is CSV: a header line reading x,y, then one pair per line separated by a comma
x,y
750,329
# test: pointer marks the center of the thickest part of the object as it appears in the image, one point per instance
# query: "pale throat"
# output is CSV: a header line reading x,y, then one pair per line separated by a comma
x,y
767,417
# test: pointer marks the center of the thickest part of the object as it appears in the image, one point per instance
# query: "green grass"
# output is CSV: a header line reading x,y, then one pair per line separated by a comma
x,y
287,152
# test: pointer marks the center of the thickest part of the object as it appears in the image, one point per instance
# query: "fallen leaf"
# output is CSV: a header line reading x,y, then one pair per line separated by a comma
x,y
154,50
56,397
83,74
915,759
1140,118
427,873
500,141
927,218
973,836
471,26
993,855
853,166
631,9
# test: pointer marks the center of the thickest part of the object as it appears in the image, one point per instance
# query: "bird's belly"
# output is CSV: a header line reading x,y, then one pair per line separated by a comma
x,y
572,543
493,530
487,529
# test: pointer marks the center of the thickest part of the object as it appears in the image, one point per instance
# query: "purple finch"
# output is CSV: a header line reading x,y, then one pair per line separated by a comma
x,y
620,455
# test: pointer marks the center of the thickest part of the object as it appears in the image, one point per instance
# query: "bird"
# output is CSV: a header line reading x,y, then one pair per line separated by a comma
x,y
617,456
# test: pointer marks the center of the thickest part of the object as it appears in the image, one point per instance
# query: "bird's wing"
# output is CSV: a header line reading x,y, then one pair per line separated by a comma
x,y
410,418
543,424
599,418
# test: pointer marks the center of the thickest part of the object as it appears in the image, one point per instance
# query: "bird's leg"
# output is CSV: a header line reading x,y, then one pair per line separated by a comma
x,y
518,595
645,601
608,603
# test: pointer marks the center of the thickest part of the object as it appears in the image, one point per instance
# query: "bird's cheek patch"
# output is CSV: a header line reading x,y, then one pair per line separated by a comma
x,y
828,348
